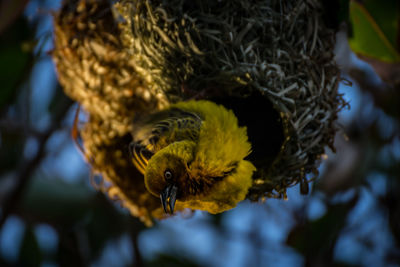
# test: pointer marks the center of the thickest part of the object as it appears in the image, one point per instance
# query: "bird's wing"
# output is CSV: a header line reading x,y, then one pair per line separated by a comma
x,y
205,178
161,129
140,156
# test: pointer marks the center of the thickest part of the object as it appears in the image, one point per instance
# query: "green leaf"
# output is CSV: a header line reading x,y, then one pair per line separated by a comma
x,y
386,15
375,29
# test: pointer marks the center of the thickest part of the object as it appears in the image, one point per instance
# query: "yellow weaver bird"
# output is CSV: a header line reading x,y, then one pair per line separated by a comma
x,y
192,156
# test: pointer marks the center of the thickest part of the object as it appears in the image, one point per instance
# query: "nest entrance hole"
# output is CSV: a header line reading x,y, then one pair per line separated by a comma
x,y
266,138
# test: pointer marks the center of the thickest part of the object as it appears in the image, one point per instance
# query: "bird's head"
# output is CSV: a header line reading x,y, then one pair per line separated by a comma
x,y
166,172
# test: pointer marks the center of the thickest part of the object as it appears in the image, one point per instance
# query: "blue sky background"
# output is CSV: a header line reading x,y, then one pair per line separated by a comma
x,y
196,237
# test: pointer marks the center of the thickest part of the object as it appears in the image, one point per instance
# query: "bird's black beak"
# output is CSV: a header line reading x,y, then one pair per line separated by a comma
x,y
169,193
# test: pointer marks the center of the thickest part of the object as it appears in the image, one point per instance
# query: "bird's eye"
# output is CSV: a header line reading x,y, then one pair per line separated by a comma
x,y
168,175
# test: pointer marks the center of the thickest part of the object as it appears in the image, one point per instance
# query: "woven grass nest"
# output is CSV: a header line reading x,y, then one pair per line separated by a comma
x,y
270,61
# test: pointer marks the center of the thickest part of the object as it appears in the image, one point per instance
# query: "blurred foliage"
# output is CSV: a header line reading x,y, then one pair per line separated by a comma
x,y
9,11
316,239
15,57
33,170
336,12
29,254
375,29
166,260
12,145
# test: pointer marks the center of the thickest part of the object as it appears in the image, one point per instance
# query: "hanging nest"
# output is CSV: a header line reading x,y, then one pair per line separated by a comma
x,y
272,62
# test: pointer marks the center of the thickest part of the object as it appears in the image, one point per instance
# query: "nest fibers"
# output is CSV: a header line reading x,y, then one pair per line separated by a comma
x,y
135,57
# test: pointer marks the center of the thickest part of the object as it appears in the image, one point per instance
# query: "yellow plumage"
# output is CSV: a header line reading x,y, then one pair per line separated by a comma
x,y
194,152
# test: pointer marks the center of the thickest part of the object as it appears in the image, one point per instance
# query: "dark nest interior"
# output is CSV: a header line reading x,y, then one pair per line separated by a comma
x,y
271,62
